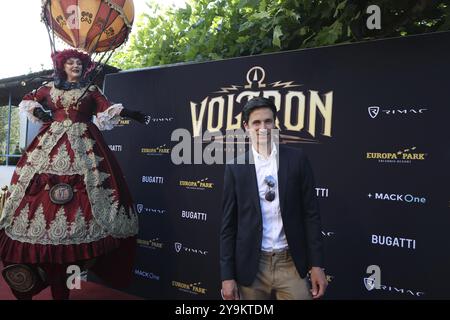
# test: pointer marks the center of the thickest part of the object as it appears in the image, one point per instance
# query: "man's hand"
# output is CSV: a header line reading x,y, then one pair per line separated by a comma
x,y
319,282
135,115
230,290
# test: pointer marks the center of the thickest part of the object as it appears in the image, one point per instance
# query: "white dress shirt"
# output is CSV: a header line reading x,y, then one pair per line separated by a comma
x,y
274,237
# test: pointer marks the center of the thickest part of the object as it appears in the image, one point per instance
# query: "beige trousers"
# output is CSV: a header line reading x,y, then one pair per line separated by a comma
x,y
276,276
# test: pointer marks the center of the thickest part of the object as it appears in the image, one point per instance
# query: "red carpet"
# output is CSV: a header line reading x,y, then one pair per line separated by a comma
x,y
88,291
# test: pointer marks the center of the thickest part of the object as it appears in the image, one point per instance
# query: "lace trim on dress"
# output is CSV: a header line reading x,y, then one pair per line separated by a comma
x,y
27,107
109,118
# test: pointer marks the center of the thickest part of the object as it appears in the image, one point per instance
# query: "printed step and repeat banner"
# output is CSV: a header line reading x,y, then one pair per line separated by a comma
x,y
372,118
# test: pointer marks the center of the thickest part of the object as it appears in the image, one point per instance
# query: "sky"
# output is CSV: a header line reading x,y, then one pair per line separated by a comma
x,y
25,43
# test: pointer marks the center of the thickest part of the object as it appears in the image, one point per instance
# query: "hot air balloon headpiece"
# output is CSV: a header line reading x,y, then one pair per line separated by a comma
x,y
95,27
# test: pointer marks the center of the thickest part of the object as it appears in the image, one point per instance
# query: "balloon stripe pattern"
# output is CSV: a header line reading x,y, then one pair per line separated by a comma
x,y
90,25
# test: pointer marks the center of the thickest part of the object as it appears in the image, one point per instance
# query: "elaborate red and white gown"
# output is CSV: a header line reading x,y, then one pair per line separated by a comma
x,y
99,222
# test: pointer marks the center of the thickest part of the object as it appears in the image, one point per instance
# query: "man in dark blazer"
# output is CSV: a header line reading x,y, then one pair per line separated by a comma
x,y
270,235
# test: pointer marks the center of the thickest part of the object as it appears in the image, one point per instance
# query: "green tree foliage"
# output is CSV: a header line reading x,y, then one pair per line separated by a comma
x,y
209,30
14,133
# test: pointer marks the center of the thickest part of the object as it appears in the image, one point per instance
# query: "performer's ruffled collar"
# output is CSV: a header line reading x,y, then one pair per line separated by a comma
x,y
66,85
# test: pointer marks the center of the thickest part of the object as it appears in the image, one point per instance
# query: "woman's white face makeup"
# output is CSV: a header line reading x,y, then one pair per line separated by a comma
x,y
73,68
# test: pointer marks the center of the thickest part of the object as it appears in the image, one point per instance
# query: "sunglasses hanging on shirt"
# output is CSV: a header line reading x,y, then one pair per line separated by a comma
x,y
270,194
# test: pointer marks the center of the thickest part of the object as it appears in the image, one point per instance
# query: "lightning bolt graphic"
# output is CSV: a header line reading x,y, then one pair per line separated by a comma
x,y
227,89
288,84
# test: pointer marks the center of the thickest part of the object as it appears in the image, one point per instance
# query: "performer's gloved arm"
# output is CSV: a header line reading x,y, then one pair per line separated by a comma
x,y
135,115
44,116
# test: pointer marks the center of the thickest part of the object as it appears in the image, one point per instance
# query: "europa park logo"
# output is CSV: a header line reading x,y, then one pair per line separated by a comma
x,y
192,288
409,155
155,151
202,184
150,244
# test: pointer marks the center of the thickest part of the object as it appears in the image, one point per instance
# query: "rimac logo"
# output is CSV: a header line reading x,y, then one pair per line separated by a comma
x,y
322,192
140,208
369,283
180,248
374,282
155,120
374,111
202,184
409,198
399,290
402,156
156,151
150,244
192,288
328,233
193,215
393,241
152,179
146,274
115,147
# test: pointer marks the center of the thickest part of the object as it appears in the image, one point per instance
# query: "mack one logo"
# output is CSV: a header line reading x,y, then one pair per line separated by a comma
x,y
374,111
147,275
397,197
180,248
